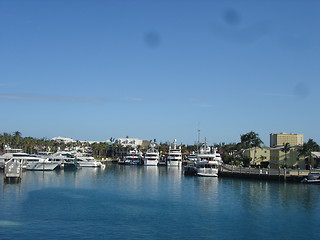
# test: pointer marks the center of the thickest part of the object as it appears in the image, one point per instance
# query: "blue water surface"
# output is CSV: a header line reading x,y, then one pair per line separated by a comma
x,y
137,202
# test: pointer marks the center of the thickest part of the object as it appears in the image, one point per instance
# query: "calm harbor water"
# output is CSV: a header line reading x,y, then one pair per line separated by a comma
x,y
130,202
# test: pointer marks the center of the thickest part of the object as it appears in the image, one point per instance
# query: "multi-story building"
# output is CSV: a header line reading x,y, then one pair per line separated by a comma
x,y
63,139
258,155
279,139
133,142
291,159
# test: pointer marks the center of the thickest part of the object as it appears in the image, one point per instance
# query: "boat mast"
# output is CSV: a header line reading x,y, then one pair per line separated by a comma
x,y
198,140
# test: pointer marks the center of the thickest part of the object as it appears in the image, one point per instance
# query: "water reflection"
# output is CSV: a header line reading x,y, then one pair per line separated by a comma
x,y
119,201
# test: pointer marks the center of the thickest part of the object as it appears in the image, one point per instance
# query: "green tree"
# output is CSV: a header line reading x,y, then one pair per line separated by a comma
x,y
249,140
285,149
306,150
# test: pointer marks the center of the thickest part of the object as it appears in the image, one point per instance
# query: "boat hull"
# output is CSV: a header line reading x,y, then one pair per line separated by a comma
x,y
41,166
174,163
90,164
207,171
150,162
207,174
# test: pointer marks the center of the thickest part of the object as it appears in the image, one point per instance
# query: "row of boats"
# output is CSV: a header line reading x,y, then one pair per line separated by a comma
x,y
47,161
204,162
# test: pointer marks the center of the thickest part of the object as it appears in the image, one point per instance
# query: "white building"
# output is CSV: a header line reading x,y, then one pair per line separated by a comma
x,y
63,139
133,142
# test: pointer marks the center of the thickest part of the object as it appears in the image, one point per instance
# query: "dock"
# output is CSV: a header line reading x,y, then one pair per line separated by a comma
x,y
12,171
281,174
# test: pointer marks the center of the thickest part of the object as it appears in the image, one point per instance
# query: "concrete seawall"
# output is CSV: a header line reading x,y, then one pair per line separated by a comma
x,y
282,175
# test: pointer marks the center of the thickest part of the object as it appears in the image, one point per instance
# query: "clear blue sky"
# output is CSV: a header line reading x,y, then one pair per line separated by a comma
x,y
91,70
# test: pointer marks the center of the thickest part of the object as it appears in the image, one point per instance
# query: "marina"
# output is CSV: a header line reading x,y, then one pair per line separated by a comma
x,y
115,202
206,162
103,103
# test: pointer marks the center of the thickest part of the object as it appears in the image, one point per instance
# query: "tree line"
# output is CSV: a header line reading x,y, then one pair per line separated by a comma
x,y
232,153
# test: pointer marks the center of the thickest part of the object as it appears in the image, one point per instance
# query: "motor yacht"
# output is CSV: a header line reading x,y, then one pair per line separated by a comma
x,y
174,157
151,158
208,161
67,159
133,157
31,162
87,161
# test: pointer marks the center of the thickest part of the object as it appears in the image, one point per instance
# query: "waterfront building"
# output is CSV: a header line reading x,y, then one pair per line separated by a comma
x,y
132,142
258,155
291,159
279,139
63,140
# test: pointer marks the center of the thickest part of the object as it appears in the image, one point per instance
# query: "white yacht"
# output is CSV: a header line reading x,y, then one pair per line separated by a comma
x,y
67,159
4,157
87,161
133,157
208,162
207,169
151,158
30,162
174,157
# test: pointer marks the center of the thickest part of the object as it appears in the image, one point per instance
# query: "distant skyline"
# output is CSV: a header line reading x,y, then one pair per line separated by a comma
x,y
91,70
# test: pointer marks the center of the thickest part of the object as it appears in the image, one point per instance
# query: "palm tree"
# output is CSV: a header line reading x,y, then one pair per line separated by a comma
x,y
285,149
256,143
16,139
251,139
306,150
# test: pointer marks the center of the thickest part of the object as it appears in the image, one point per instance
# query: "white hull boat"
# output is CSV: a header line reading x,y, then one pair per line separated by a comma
x,y
174,157
133,157
41,166
208,162
31,162
88,162
205,169
151,157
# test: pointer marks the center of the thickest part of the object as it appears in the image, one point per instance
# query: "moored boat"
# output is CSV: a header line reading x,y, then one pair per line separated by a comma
x,y
133,157
207,169
31,162
174,157
87,161
151,158
312,178
208,161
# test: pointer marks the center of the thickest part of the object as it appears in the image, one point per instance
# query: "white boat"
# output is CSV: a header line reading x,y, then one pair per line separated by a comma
x,y
151,158
41,164
174,157
207,169
133,157
208,161
207,153
87,161
67,159
6,157
31,162
312,178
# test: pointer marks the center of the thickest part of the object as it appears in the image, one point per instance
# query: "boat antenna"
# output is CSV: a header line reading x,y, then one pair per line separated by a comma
x,y
198,140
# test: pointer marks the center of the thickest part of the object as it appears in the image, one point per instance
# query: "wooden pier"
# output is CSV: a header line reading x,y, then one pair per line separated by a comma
x,y
12,171
281,174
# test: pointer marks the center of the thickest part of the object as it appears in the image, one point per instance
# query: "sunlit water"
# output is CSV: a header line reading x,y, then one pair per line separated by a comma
x,y
130,202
